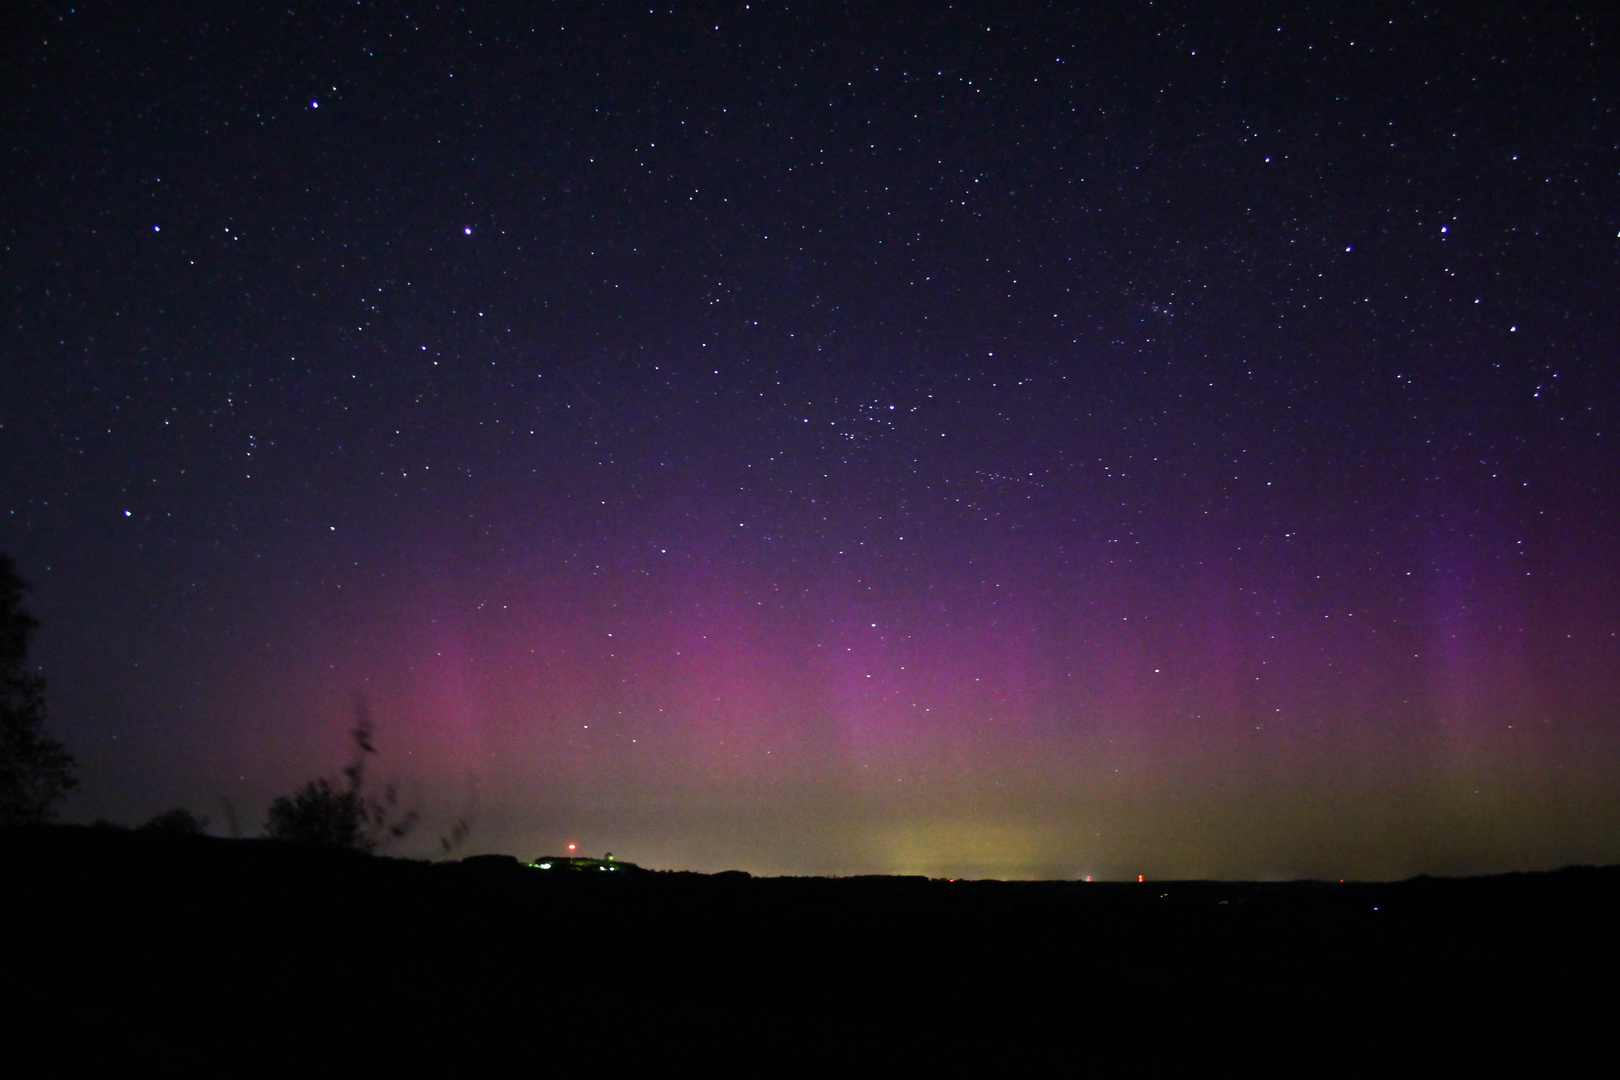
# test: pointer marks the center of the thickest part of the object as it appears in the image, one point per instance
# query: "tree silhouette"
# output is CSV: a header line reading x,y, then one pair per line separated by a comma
x,y
462,827
330,815
319,813
36,772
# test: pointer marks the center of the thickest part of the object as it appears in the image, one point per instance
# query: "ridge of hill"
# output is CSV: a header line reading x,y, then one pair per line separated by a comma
x,y
218,955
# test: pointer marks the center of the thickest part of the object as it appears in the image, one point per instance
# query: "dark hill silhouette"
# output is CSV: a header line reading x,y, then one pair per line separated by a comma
x,y
233,957
581,862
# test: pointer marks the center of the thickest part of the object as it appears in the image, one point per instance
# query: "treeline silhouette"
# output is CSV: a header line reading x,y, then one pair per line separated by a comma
x,y
306,951
37,773
215,956
344,815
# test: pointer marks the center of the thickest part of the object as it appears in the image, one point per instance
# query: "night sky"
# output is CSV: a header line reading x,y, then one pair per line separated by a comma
x,y
813,438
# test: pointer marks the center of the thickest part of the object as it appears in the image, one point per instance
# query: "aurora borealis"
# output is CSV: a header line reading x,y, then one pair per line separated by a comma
x,y
1114,440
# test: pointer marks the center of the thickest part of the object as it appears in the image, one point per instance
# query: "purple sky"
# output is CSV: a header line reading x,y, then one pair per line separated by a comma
x,y
1152,440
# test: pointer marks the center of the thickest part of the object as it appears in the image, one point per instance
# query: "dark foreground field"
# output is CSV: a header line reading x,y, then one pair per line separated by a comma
x,y
229,957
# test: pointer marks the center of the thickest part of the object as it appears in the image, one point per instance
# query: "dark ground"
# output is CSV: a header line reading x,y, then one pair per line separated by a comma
x,y
234,957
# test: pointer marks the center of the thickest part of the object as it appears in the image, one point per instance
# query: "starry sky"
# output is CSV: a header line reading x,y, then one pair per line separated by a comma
x,y
1109,439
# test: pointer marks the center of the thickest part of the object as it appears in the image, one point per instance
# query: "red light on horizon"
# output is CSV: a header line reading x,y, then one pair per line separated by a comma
x,y
571,847
1138,877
